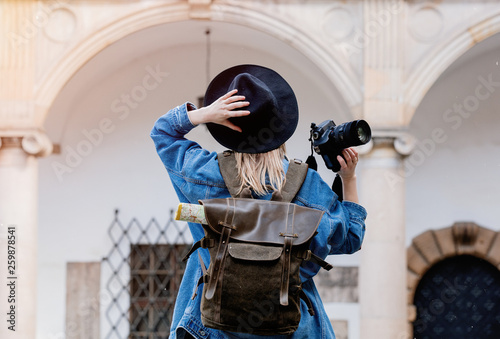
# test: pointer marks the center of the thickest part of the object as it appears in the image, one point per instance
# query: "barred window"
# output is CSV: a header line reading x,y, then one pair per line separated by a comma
x,y
155,275
142,274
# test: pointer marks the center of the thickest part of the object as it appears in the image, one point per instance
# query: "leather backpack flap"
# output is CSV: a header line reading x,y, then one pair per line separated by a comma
x,y
262,221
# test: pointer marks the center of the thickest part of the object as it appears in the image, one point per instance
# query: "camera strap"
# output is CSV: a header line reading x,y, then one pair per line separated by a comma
x,y
337,187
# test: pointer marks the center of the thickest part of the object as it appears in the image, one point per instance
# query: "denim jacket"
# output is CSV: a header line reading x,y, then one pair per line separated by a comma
x,y
195,175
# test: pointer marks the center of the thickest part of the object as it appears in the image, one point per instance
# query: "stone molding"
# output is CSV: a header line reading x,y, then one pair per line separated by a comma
x,y
399,139
441,56
199,9
307,33
286,25
93,43
433,246
342,76
33,142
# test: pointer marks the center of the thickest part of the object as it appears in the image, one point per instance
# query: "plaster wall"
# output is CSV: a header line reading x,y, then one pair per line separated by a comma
x,y
453,173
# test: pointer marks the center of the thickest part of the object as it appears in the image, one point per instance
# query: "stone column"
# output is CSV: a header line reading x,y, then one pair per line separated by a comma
x,y
18,230
382,280
383,256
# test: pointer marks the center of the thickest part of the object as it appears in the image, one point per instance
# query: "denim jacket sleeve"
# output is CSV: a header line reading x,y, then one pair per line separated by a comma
x,y
342,228
193,170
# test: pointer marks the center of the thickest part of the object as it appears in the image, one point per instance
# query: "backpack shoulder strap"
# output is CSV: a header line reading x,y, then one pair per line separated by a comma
x,y
227,166
295,176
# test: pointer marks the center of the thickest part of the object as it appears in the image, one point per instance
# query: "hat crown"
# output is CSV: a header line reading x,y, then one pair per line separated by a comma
x,y
257,93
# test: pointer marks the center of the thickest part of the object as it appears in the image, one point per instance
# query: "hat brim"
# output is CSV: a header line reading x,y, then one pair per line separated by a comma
x,y
272,129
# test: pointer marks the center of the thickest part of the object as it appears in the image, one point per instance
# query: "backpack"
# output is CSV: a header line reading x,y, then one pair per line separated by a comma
x,y
256,249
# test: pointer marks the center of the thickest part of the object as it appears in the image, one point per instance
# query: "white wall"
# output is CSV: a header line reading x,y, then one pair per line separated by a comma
x,y
118,167
453,174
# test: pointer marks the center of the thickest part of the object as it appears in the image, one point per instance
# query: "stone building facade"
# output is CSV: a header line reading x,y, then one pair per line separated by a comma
x,y
82,81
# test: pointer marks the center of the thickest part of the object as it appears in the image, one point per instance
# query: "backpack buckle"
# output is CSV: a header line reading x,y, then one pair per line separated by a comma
x,y
224,224
294,235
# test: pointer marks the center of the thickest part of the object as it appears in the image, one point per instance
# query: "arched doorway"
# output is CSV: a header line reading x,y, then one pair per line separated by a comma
x,y
454,283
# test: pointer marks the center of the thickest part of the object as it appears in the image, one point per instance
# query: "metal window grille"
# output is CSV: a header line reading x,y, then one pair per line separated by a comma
x,y
142,274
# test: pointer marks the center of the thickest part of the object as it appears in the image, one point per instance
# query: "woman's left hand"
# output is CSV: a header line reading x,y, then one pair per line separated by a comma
x,y
348,166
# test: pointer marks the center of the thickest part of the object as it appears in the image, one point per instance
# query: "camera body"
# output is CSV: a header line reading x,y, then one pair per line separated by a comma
x,y
329,140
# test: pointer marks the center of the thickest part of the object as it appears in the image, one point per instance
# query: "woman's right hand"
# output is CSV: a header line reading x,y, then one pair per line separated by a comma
x,y
348,166
348,174
221,110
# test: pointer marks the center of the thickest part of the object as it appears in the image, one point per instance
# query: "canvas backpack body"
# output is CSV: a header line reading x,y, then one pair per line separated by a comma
x,y
256,249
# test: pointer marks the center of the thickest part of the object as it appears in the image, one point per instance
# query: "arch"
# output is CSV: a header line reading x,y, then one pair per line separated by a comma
x,y
344,80
433,246
429,70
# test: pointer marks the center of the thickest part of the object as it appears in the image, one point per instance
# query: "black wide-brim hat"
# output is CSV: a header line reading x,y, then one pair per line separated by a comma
x,y
274,112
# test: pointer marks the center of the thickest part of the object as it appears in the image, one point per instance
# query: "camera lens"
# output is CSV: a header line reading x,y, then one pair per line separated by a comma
x,y
352,133
364,134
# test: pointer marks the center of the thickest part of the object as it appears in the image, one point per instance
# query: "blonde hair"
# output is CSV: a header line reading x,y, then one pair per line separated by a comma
x,y
261,172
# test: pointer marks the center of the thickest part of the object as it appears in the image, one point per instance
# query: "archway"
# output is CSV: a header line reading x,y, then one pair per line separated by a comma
x,y
441,57
434,246
339,76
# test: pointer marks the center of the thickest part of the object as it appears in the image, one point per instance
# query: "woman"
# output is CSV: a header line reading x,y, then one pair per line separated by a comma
x,y
252,110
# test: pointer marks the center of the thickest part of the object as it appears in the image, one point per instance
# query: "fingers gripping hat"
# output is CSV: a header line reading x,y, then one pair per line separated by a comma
x,y
273,109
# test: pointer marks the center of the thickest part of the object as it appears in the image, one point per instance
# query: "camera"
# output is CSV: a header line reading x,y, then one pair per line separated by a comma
x,y
329,140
